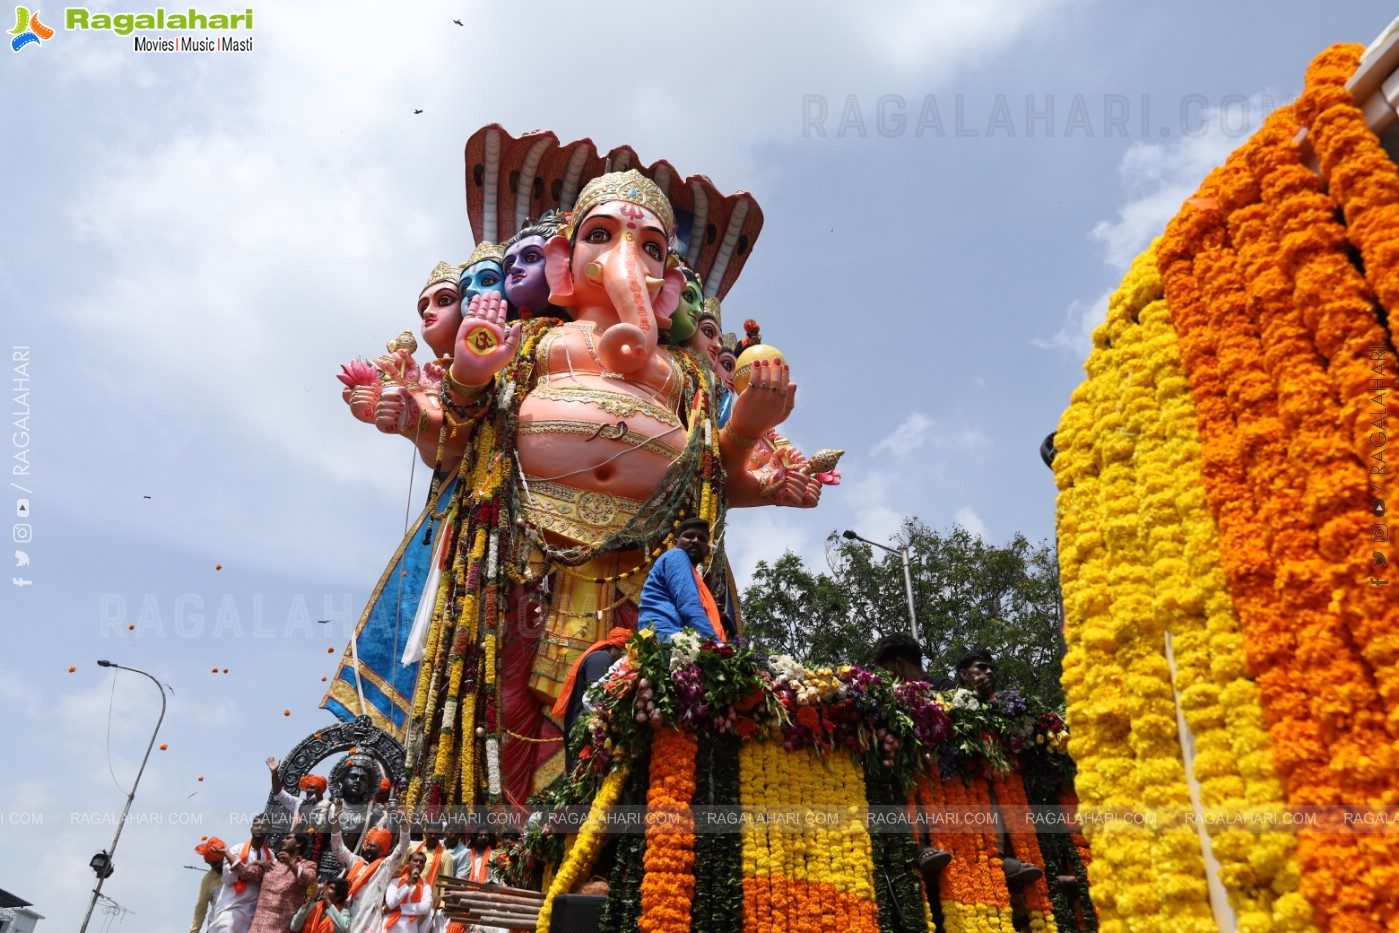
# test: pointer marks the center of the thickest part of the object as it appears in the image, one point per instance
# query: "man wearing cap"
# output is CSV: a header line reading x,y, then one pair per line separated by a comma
x,y
233,912
675,596
209,851
976,671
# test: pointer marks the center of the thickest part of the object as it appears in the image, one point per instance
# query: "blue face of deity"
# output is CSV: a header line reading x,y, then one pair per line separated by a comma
x,y
482,278
525,285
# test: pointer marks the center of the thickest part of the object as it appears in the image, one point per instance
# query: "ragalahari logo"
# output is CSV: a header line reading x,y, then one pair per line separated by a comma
x,y
28,30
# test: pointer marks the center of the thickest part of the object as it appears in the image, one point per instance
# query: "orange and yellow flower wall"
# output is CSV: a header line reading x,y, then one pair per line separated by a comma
x,y
1223,476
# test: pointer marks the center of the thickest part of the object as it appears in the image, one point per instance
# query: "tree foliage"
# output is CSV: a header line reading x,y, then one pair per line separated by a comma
x,y
967,594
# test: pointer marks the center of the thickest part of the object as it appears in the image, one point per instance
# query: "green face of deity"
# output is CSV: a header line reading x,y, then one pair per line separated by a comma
x,y
686,316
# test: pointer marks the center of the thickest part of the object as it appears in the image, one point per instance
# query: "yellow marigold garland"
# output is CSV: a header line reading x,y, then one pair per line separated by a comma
x,y
586,846
1219,700
819,878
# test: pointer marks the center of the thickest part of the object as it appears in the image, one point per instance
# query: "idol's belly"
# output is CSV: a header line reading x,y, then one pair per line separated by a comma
x,y
599,441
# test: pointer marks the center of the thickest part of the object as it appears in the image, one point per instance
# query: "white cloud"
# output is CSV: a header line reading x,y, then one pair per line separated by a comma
x,y
913,33
768,533
969,520
1156,178
1076,334
907,437
919,429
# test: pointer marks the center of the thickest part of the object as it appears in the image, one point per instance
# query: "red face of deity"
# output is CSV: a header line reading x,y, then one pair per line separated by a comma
x,y
439,306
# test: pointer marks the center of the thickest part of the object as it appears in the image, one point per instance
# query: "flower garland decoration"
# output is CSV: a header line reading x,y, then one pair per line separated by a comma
x,y
902,902
1215,486
721,725
669,884
622,911
583,855
1191,600
981,901
1014,805
718,905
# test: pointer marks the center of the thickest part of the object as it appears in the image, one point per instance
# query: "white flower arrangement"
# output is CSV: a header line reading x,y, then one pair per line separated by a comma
x,y
684,648
785,667
962,698
493,765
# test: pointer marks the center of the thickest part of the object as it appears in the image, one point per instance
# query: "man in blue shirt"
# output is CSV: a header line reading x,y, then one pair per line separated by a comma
x,y
675,596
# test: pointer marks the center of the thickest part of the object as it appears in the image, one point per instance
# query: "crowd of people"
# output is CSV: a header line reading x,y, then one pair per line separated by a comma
x,y
383,883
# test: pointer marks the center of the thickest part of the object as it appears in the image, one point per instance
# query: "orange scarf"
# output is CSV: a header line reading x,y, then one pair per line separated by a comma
x,y
480,868
710,608
435,864
361,872
240,885
617,637
397,912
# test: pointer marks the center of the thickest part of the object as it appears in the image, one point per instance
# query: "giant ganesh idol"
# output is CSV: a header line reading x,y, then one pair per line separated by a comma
x,y
584,437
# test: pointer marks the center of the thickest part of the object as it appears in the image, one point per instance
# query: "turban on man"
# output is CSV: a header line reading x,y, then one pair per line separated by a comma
x,y
381,838
212,845
314,782
617,638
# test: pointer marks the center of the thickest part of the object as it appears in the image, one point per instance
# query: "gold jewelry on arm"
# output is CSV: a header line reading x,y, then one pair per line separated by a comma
x,y
739,439
465,390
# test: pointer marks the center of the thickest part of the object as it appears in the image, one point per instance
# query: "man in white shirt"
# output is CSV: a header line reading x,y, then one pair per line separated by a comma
x,y
410,899
233,912
371,872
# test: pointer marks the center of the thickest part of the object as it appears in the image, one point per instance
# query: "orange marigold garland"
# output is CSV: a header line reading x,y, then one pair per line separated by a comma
x,y
1218,699
1361,177
669,883
1020,825
1347,331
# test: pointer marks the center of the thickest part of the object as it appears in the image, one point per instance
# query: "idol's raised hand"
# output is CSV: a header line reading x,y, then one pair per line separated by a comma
x,y
483,345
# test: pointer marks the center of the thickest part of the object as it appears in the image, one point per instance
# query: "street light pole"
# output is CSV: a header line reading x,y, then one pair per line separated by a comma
x,y
908,576
121,824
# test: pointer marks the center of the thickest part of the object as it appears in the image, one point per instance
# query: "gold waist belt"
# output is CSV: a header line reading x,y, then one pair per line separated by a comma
x,y
620,404
580,515
610,432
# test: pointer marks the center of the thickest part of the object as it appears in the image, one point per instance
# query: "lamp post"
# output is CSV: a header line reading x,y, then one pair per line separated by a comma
x,y
101,863
908,577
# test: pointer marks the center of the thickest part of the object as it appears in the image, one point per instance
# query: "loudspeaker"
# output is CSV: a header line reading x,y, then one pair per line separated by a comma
x,y
576,913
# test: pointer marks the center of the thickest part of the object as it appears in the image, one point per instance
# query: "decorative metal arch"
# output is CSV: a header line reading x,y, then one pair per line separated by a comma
x,y
362,736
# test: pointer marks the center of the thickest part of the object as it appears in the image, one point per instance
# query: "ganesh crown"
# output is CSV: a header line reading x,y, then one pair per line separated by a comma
x,y
443,272
485,250
630,186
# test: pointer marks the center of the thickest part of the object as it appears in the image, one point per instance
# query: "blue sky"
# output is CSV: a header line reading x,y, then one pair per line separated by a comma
x,y
193,244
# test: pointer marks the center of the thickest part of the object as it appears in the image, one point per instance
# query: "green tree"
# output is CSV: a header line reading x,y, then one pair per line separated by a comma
x,y
967,593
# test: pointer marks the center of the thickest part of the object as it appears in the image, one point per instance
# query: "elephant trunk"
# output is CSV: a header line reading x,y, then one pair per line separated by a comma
x,y
626,346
